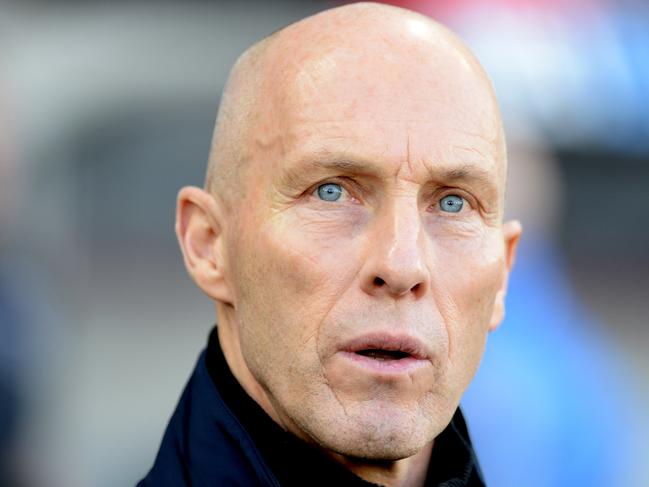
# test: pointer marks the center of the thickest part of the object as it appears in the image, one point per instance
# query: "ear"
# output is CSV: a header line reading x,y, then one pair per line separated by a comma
x,y
511,234
199,224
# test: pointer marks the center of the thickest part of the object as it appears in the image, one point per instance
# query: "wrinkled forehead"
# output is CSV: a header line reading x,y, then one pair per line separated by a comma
x,y
366,89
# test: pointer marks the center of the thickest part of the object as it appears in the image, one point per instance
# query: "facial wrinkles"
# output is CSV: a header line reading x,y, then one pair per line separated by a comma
x,y
407,190
435,158
472,292
402,224
492,191
321,276
399,223
470,169
293,239
444,251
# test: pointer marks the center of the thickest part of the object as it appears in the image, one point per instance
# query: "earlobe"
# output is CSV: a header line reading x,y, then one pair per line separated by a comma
x,y
498,313
511,234
200,235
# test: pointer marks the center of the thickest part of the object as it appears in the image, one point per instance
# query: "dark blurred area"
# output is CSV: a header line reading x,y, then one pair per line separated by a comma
x,y
106,110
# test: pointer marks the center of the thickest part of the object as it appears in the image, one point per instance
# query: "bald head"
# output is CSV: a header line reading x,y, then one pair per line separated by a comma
x,y
381,46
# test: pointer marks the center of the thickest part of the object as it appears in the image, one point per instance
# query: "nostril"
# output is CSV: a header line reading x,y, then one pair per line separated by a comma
x,y
378,282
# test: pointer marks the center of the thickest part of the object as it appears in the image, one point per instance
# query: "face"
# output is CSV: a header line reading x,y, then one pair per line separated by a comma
x,y
367,257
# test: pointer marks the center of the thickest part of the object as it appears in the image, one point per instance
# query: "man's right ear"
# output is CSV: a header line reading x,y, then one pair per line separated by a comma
x,y
199,231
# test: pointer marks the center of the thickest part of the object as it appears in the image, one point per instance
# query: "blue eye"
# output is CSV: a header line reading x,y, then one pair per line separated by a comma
x,y
330,191
451,203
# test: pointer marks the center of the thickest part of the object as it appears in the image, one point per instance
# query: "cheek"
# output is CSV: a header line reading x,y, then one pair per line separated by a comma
x,y
466,280
300,259
289,272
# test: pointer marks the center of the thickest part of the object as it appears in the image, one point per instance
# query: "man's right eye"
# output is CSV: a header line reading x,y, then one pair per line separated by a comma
x,y
330,192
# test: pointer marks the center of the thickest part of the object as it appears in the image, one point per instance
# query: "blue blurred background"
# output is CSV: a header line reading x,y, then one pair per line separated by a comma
x,y
106,110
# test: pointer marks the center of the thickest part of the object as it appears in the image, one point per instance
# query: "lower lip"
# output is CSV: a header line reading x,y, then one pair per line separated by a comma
x,y
400,366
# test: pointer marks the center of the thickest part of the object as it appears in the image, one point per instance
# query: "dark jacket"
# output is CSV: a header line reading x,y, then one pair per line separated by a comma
x,y
218,436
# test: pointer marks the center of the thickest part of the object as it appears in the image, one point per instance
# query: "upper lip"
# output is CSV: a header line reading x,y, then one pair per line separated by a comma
x,y
388,341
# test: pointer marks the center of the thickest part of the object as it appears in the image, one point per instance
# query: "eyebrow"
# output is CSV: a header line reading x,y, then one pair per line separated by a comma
x,y
468,172
343,165
297,173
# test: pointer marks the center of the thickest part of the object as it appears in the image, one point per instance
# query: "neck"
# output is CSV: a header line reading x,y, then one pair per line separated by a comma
x,y
230,346
229,341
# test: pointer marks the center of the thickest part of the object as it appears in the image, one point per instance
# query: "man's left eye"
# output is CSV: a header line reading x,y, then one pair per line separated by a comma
x,y
451,203
330,192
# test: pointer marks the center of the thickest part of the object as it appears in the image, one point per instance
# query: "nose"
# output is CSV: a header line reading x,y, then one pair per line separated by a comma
x,y
395,263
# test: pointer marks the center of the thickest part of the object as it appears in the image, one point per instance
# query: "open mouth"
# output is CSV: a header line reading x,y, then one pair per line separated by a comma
x,y
382,355
387,353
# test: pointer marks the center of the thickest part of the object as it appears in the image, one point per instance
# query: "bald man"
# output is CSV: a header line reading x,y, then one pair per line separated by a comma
x,y
351,236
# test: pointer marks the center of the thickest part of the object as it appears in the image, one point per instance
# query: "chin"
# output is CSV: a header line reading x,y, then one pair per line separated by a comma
x,y
379,447
387,434
384,452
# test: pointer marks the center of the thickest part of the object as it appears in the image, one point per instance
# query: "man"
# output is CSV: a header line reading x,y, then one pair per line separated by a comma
x,y
350,233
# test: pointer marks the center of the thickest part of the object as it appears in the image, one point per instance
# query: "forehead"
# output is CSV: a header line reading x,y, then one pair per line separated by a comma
x,y
401,105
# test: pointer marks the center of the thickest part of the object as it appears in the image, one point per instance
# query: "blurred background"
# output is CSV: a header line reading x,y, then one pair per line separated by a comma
x,y
106,110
